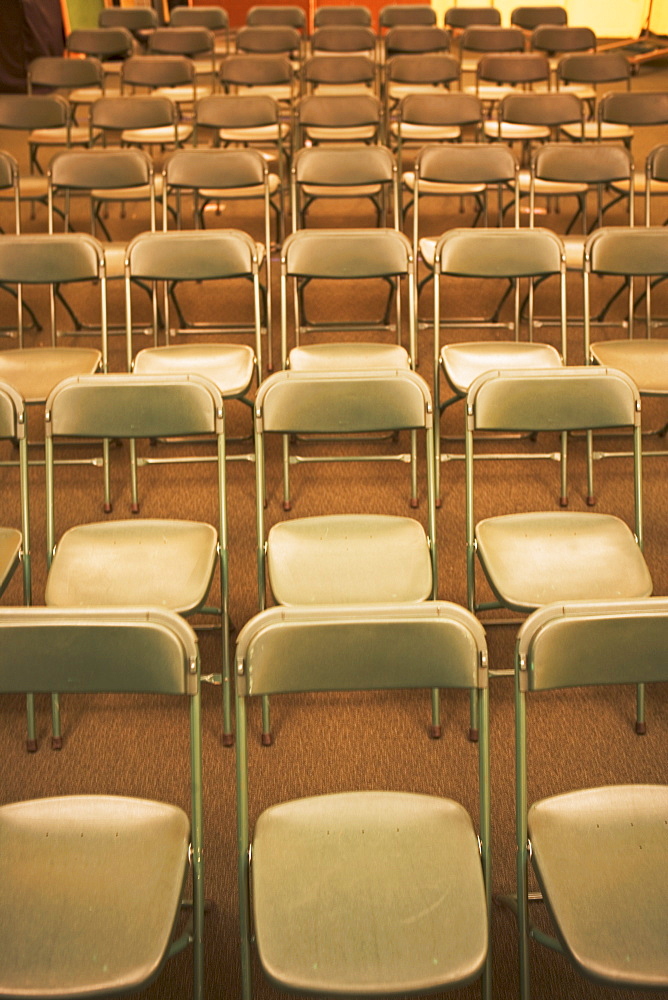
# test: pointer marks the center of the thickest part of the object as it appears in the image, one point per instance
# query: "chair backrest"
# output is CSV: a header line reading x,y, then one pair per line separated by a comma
x,y
352,14
422,68
32,111
341,38
257,71
634,108
598,642
594,68
213,18
553,38
341,253
484,38
65,74
514,69
13,423
104,43
551,109
9,181
415,38
529,18
279,39
132,18
398,13
460,18
191,41
338,71
656,169
440,109
283,14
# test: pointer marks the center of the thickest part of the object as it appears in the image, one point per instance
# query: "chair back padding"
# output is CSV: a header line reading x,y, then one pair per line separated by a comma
x,y
375,647
213,18
625,251
267,40
364,165
634,107
514,68
531,17
427,67
95,650
215,168
129,406
338,111
132,18
132,112
236,111
441,109
541,109
608,642
398,13
464,17
249,70
57,71
33,111
101,42
594,68
587,163
334,69
416,38
106,169
50,259
182,255
191,41
554,38
352,14
331,253
157,71
496,253
343,38
307,402
560,399
466,163
294,17
483,38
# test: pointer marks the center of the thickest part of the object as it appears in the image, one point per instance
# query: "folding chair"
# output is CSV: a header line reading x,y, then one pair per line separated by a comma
x,y
97,911
630,253
583,74
368,172
634,109
260,75
274,40
479,39
530,559
139,120
381,256
656,177
196,42
346,558
424,119
365,892
27,113
557,41
163,76
156,562
598,853
429,74
111,45
515,255
499,74
213,255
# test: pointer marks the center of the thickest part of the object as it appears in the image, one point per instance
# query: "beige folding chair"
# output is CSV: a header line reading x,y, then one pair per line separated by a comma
x,y
598,853
370,893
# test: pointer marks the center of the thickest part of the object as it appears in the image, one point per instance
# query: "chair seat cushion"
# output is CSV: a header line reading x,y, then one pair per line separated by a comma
x,y
161,135
229,366
348,559
10,548
35,371
352,133
511,131
462,363
609,130
260,133
106,872
646,361
441,188
368,893
164,563
600,856
347,356
535,558
411,132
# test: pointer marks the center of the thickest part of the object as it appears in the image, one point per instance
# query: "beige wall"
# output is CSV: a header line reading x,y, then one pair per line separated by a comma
x,y
608,18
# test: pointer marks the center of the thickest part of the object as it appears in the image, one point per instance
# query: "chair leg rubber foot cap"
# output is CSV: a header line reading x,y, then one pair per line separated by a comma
x,y
563,501
228,740
56,743
591,501
414,503
31,746
267,739
641,728
434,732
107,508
439,503
134,508
473,735
287,506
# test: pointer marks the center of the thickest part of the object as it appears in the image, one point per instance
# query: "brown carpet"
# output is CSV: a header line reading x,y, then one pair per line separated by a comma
x,y
138,745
